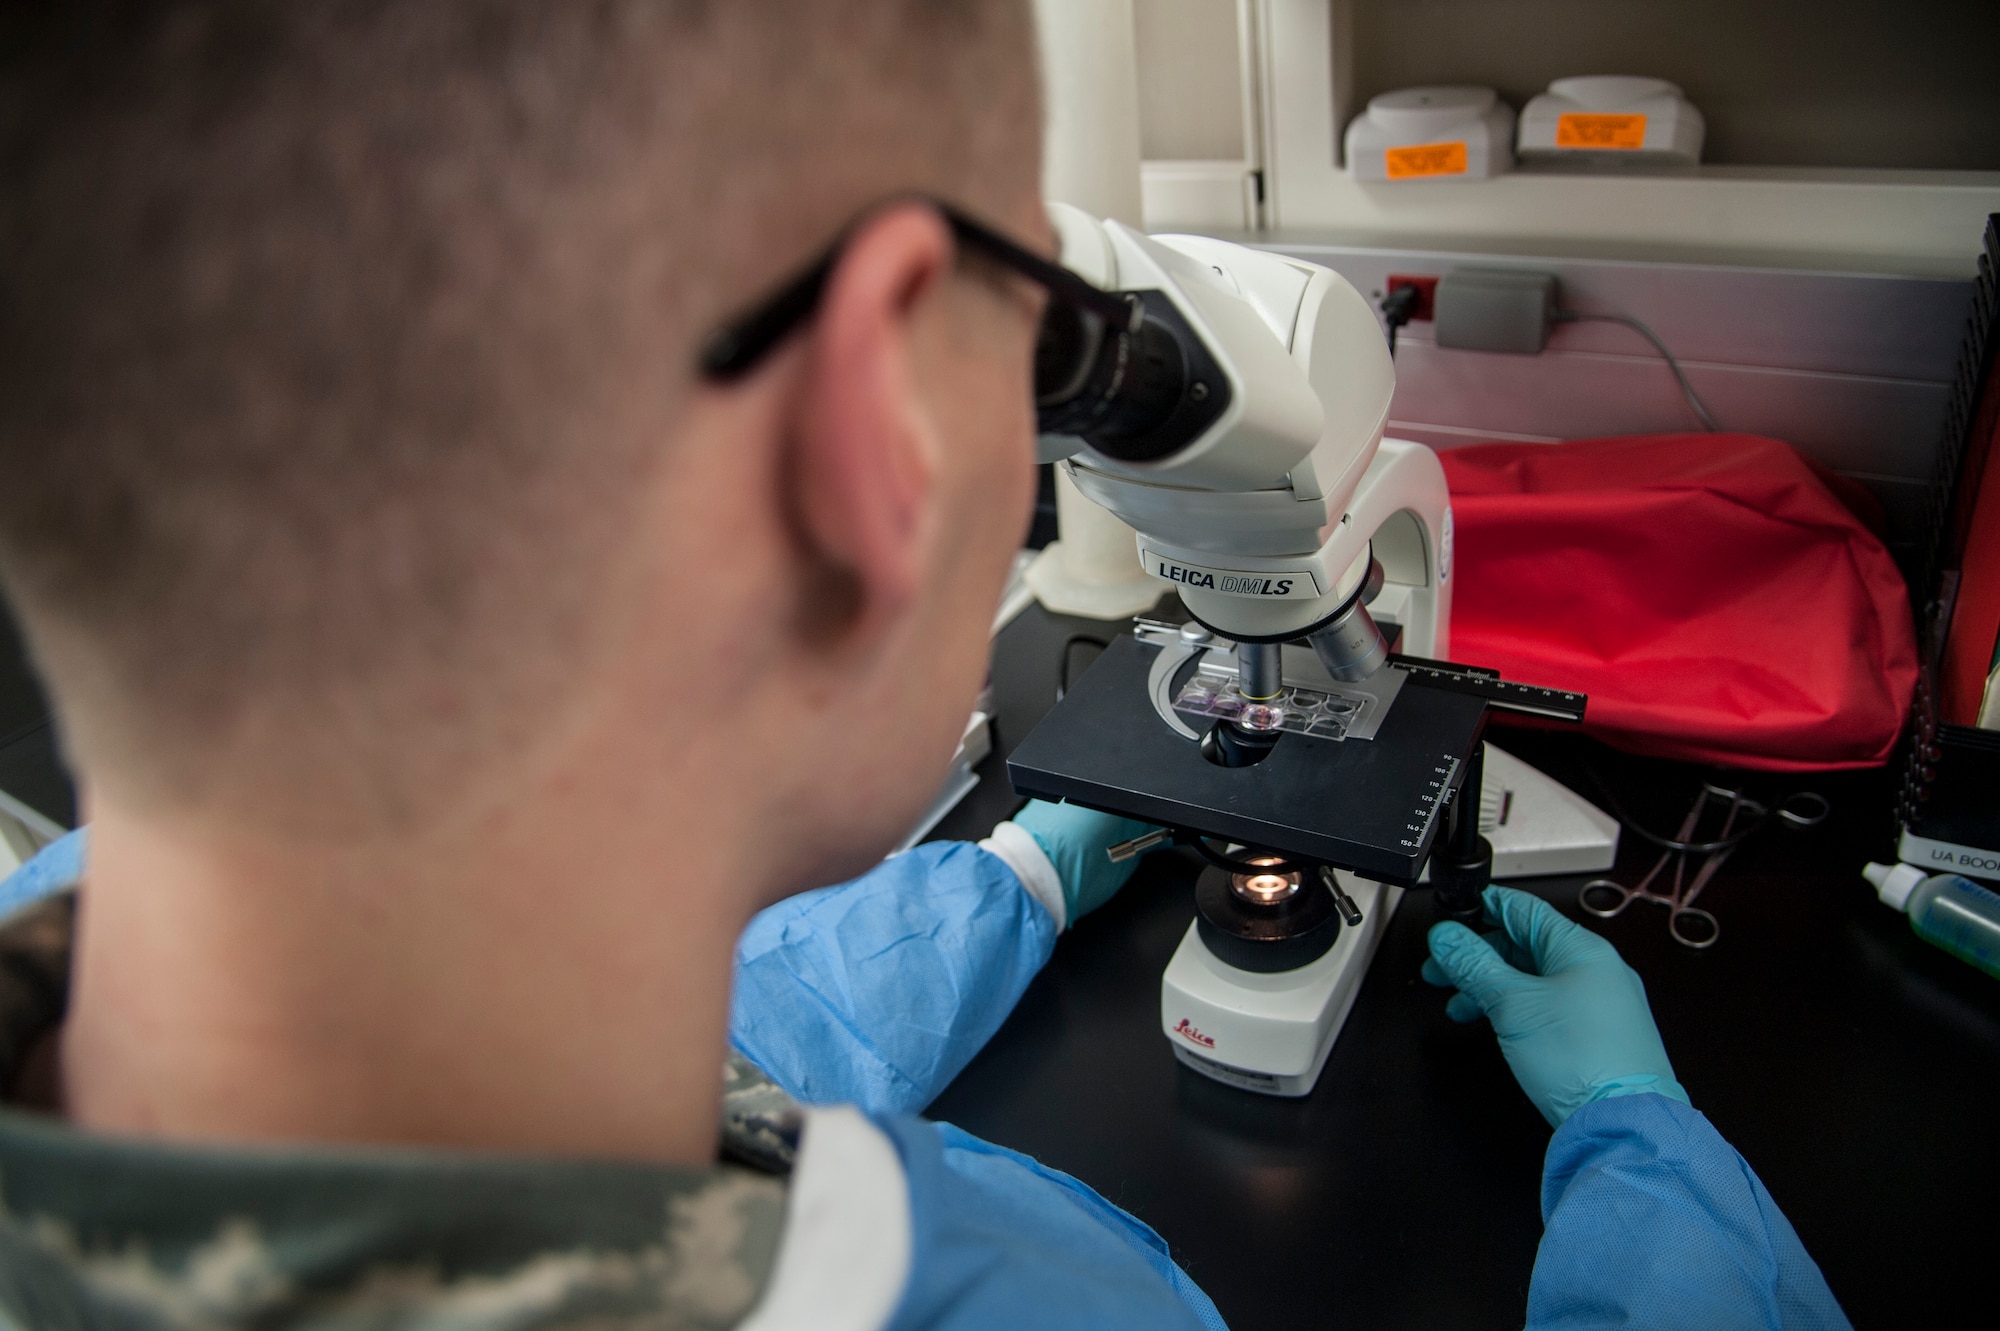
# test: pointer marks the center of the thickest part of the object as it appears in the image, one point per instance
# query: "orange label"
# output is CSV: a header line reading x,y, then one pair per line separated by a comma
x,y
1580,129
1425,159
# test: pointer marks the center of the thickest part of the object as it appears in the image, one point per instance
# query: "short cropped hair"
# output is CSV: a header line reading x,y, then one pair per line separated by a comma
x,y
335,333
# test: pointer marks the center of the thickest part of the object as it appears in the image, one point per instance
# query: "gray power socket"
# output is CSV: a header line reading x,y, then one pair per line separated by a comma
x,y
1494,309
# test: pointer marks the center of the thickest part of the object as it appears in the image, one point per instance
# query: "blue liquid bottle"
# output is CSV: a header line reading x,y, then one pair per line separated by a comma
x,y
1946,910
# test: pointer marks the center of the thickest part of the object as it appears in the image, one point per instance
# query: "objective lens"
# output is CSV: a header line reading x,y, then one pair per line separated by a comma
x,y
1351,647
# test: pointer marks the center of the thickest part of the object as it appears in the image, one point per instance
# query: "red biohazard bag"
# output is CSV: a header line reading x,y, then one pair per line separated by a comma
x,y
1708,591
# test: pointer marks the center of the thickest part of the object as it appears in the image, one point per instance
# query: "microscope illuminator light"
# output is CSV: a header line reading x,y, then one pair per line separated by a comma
x,y
1265,889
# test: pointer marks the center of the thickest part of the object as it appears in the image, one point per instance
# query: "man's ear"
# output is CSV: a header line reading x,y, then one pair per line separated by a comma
x,y
862,446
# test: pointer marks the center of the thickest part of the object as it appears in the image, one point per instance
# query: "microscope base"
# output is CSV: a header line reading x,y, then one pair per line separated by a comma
x,y
1270,1033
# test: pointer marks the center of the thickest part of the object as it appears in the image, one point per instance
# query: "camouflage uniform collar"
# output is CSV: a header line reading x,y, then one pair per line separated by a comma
x,y
127,1234
103,1232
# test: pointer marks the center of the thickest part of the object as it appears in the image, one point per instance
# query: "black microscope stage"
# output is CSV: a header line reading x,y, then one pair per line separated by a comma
x,y
1370,805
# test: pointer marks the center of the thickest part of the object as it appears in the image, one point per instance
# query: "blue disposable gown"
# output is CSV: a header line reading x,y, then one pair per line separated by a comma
x,y
879,991
1651,1219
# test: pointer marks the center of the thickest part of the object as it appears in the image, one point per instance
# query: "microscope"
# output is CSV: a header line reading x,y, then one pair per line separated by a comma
x,y
1301,731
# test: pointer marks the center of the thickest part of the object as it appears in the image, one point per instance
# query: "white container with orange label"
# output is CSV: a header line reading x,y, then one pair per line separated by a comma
x,y
1432,134
1611,122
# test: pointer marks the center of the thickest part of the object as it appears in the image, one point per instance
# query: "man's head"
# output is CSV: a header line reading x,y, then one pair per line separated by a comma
x,y
355,455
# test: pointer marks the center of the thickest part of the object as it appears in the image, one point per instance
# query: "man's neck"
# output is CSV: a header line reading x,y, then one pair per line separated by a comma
x,y
530,988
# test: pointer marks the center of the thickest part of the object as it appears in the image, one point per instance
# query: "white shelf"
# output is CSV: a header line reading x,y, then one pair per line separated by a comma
x,y
1919,224
1925,224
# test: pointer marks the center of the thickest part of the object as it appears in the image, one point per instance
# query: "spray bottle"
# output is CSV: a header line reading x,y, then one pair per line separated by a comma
x,y
1946,910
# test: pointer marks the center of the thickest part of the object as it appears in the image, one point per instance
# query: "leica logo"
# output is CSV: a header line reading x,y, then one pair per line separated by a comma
x,y
1187,1032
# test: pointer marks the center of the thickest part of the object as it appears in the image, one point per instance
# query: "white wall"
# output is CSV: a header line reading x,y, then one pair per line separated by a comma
x,y
1190,80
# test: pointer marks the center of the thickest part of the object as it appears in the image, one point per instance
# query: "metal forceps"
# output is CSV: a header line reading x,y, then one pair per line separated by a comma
x,y
1687,922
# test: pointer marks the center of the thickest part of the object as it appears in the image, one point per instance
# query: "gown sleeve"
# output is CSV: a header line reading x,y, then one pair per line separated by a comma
x,y
1653,1220
879,991
1001,1241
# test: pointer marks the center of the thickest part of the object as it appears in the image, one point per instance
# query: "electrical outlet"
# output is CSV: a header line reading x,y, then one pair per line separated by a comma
x,y
1426,285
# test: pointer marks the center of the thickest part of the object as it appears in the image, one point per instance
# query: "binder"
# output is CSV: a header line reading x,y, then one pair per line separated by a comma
x,y
1948,809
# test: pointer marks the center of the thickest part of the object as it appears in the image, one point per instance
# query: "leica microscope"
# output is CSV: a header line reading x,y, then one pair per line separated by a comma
x,y
1301,732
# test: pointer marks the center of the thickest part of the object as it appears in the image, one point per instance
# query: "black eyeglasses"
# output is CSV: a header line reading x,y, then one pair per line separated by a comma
x,y
1073,327
1122,371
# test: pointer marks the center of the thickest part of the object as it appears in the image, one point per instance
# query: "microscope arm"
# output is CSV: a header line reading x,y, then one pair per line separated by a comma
x,y
1402,504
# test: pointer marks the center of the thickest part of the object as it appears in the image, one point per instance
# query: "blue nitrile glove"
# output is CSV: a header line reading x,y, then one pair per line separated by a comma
x,y
1075,839
1571,1015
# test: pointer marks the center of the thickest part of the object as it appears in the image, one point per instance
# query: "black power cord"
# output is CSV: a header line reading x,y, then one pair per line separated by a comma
x,y
1397,307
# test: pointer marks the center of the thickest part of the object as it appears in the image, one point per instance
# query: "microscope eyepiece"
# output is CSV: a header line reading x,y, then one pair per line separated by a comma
x,y
1137,394
1067,350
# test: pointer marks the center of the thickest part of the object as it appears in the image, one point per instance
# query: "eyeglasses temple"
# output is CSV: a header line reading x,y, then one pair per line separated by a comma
x,y
1116,310
735,349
